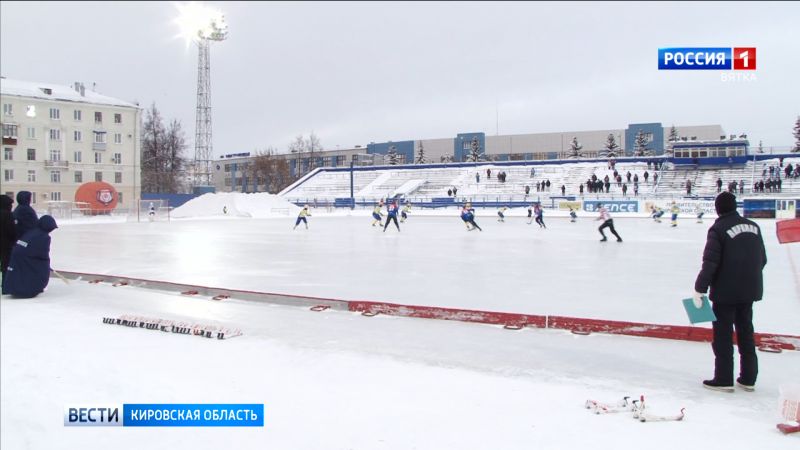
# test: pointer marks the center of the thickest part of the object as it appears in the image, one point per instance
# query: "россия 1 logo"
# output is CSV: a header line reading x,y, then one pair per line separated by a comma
x,y
707,58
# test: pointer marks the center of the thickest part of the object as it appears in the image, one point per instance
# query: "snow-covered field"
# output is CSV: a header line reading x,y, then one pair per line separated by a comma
x,y
338,380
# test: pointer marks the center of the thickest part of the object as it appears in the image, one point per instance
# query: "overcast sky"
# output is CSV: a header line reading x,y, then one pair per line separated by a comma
x,y
361,72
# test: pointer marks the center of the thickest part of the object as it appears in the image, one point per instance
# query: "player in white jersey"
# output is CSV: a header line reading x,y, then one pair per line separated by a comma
x,y
608,222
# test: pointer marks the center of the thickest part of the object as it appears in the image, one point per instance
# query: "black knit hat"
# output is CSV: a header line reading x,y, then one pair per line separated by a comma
x,y
725,203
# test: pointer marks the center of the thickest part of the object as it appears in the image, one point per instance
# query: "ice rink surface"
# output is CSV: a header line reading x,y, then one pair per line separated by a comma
x,y
434,261
338,380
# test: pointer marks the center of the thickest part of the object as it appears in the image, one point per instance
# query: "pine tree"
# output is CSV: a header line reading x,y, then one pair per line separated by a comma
x,y
797,135
610,148
475,151
640,144
392,154
760,147
673,137
575,148
420,155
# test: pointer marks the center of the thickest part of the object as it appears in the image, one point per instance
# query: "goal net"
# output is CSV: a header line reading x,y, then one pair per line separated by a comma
x,y
153,210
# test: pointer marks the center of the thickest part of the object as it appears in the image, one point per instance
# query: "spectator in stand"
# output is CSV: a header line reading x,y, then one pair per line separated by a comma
x,y
580,188
455,191
719,185
635,188
608,186
488,174
788,170
629,176
688,187
548,185
527,189
655,178
477,177
646,176
538,186
563,190
625,189
741,186
779,182
533,172
636,178
619,180
449,192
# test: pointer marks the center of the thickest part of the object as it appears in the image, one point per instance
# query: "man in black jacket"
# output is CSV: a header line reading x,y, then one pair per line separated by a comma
x,y
9,235
733,260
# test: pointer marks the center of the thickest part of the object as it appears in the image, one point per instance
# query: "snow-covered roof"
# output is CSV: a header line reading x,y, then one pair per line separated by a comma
x,y
57,92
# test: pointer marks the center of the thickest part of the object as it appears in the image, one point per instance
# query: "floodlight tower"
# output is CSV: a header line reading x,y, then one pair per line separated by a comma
x,y
203,26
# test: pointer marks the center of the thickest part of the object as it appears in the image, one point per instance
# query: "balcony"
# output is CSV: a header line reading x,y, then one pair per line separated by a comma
x,y
56,164
98,146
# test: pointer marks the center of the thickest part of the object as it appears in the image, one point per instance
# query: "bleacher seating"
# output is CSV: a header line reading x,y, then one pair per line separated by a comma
x,y
424,184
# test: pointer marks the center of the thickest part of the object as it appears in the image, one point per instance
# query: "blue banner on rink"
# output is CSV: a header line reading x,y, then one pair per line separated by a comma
x,y
193,415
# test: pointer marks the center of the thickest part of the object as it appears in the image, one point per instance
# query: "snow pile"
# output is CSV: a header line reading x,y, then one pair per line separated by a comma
x,y
259,205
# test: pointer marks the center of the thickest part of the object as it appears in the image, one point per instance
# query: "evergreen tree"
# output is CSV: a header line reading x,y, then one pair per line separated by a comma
x,y
640,144
673,137
797,135
575,148
392,155
610,148
475,154
760,147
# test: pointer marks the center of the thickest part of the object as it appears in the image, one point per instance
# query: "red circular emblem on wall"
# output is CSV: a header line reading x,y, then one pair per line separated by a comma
x,y
101,197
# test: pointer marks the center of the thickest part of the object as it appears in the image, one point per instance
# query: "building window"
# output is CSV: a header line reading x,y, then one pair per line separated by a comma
x,y
98,176
55,134
7,110
117,158
77,157
31,176
55,176
98,158
119,197
227,168
33,198
466,145
99,137
31,133
8,175
77,136
118,138
227,182
55,196
98,117
55,155
8,154
31,154
117,177
117,118
9,131
55,113
78,176
77,115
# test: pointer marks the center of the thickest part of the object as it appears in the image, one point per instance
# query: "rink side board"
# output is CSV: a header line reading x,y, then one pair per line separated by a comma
x,y
506,319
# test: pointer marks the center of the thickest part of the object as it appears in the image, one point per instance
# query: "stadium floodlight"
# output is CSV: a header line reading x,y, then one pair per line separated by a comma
x,y
202,25
199,22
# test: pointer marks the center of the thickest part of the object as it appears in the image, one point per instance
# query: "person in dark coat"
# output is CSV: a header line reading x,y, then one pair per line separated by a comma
x,y
8,230
25,217
29,269
733,261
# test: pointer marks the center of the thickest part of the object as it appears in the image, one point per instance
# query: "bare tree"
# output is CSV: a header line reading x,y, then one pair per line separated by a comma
x,y
163,163
270,170
308,145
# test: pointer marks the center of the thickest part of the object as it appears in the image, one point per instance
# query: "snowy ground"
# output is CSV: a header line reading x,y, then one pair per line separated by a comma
x,y
337,380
